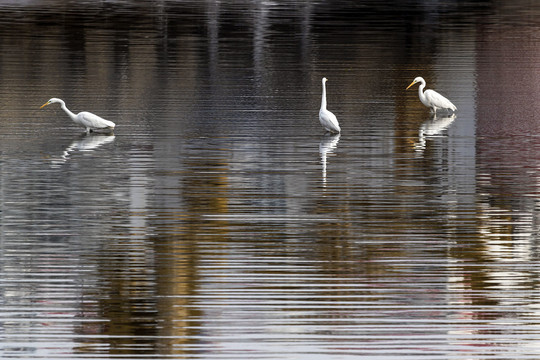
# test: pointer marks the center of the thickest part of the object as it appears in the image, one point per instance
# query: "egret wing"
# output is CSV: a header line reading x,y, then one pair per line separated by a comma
x,y
437,100
93,121
329,121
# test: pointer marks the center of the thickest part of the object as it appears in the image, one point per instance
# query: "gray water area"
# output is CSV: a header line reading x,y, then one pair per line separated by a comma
x,y
220,222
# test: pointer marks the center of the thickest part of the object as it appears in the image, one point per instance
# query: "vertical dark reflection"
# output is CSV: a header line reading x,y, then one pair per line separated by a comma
x,y
507,142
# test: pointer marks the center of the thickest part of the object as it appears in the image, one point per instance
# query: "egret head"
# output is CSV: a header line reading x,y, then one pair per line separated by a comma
x,y
416,80
51,101
324,79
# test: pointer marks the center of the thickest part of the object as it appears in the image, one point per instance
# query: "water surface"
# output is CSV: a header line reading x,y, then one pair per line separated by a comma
x,y
220,222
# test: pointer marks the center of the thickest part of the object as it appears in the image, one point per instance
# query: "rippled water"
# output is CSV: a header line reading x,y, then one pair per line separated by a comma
x,y
220,222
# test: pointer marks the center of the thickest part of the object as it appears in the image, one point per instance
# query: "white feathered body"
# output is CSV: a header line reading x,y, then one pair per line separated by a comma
x,y
92,122
329,121
436,101
327,118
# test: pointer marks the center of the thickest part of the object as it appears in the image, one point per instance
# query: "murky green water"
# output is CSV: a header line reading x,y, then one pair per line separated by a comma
x,y
220,222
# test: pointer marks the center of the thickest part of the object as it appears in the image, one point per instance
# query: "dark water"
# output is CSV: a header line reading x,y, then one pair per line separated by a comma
x,y
219,222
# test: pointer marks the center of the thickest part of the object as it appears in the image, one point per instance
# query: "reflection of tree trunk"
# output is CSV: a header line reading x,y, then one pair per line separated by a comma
x,y
508,96
508,102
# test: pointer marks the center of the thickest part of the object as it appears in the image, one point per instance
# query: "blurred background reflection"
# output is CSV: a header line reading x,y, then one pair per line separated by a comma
x,y
219,222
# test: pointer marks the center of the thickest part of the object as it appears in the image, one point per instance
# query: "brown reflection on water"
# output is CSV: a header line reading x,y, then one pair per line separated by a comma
x,y
177,316
494,264
508,99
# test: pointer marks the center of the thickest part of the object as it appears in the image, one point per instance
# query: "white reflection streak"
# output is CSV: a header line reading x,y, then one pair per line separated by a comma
x,y
86,143
259,32
327,146
432,127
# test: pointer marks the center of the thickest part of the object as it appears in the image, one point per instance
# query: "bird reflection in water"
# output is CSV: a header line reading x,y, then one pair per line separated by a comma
x,y
433,127
327,146
85,142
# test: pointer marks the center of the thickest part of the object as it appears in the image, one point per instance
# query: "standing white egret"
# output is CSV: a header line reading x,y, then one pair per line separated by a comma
x,y
431,98
91,122
327,118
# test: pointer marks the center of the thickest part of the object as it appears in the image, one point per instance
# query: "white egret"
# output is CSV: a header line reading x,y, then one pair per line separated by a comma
x,y
431,98
91,122
328,119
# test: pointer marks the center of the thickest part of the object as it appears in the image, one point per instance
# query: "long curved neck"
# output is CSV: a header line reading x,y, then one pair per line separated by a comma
x,y
421,90
323,100
64,107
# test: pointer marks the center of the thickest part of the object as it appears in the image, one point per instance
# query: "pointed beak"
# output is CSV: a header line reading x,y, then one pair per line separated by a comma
x,y
42,106
414,82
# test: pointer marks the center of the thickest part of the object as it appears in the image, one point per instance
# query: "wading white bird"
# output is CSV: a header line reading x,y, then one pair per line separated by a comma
x,y
91,122
431,98
327,119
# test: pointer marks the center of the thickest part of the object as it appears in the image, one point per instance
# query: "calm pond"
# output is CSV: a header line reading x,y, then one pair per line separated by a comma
x,y
219,221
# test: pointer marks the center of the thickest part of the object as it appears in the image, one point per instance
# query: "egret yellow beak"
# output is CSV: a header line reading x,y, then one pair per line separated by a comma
x,y
414,82
42,106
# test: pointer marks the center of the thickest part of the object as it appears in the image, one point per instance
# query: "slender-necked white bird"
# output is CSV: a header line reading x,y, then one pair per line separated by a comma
x,y
327,119
91,122
431,98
